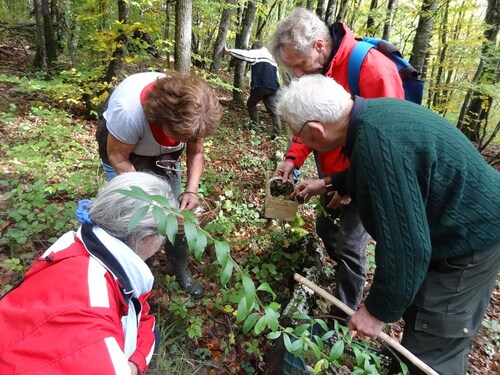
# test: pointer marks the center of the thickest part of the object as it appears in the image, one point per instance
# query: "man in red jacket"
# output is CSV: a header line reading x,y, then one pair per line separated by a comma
x,y
306,45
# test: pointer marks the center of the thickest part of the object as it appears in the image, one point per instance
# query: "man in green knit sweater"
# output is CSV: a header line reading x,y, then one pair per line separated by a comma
x,y
427,197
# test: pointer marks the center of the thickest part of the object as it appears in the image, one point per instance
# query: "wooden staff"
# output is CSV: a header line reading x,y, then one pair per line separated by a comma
x,y
388,340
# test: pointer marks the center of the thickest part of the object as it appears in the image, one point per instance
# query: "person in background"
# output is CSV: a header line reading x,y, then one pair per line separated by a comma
x,y
430,201
304,44
145,125
264,82
82,307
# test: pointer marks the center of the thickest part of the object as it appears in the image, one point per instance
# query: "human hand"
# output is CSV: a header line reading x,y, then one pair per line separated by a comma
x,y
133,368
365,324
189,201
225,51
306,189
337,200
285,171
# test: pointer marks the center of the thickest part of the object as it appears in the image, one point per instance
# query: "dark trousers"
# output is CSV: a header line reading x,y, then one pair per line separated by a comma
x,y
268,96
448,309
345,241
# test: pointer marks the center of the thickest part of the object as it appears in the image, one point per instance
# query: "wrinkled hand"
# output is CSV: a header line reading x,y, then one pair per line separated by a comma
x,y
285,171
133,368
307,189
189,201
337,200
365,324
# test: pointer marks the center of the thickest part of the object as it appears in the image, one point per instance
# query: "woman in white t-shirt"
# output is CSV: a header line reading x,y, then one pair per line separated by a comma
x,y
144,126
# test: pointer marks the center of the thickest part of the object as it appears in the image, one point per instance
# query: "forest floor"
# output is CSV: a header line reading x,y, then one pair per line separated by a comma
x,y
235,164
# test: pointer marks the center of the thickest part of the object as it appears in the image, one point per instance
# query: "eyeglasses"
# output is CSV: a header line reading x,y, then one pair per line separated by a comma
x,y
296,138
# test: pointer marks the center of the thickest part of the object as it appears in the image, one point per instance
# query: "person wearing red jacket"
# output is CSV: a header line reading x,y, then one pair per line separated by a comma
x,y
306,45
82,307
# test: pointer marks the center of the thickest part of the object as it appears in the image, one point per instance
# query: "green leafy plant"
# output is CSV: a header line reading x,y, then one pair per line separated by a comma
x,y
257,310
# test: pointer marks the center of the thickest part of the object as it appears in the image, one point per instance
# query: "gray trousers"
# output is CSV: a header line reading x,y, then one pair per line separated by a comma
x,y
268,96
345,241
447,312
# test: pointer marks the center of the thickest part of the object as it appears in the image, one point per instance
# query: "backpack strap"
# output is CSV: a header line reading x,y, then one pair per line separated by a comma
x,y
356,58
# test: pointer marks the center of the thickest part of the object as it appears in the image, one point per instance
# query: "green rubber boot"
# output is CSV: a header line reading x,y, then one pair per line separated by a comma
x,y
177,255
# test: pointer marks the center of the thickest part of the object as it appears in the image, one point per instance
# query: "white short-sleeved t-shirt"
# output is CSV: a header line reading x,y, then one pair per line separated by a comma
x,y
125,118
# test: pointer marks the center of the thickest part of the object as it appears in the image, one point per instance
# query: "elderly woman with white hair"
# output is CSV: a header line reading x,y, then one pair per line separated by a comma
x,y
81,308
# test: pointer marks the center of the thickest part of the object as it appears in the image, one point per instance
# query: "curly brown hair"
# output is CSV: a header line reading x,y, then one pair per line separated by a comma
x,y
184,104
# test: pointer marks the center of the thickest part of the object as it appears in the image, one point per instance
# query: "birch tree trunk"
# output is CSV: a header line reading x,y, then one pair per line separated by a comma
x,y
423,35
220,41
183,18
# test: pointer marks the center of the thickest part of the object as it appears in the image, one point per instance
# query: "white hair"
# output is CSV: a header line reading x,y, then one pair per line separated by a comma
x,y
312,97
299,31
112,210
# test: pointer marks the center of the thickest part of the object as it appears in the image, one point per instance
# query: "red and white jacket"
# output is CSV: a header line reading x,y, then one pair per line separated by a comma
x,y
81,309
378,77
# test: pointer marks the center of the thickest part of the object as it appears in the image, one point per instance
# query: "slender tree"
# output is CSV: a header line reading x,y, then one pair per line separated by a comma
x,y
370,22
342,10
475,110
330,11
389,18
183,18
121,42
321,8
167,32
220,41
423,34
243,38
46,46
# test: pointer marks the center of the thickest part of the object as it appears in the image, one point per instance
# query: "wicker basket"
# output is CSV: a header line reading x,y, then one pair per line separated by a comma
x,y
278,207
206,212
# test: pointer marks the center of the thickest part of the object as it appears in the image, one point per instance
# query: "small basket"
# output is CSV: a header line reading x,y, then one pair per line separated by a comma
x,y
278,207
206,212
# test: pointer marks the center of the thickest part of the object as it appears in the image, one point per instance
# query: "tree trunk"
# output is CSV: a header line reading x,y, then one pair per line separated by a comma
x,y
167,34
389,19
261,20
344,5
439,100
370,22
46,46
220,41
330,11
321,8
474,114
121,43
262,25
423,35
183,17
244,37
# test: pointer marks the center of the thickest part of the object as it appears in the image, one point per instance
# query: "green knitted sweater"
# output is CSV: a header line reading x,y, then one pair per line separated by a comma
x,y
424,193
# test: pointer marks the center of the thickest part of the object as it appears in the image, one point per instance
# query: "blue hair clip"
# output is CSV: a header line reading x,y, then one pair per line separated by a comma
x,y
81,213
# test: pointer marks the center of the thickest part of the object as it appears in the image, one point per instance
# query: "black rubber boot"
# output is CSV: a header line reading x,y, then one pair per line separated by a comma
x,y
177,255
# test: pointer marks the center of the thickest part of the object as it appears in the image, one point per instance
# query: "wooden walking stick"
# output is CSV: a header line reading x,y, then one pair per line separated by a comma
x,y
388,340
